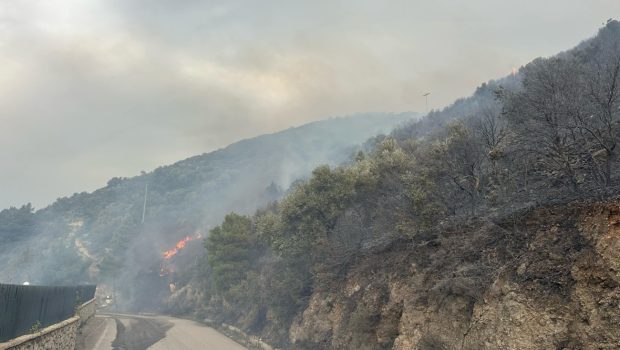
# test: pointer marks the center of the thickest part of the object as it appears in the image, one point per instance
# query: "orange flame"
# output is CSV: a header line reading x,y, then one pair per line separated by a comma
x,y
180,245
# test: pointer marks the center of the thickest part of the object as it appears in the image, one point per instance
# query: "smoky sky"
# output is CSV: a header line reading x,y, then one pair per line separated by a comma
x,y
92,89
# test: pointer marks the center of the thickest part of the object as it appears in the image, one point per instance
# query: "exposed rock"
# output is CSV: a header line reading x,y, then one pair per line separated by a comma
x,y
549,280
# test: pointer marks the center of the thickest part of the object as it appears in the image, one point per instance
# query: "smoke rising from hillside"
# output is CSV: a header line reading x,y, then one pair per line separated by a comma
x,y
100,237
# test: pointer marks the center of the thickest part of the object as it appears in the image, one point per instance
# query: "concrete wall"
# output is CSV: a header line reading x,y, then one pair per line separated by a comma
x,y
59,336
86,311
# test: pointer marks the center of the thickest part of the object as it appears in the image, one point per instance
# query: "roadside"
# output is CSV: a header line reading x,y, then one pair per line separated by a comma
x,y
141,332
98,333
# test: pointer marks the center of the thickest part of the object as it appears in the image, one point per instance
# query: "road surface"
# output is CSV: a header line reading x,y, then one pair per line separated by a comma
x,y
140,332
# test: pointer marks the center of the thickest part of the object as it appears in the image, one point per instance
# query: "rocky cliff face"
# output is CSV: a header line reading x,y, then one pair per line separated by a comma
x,y
547,278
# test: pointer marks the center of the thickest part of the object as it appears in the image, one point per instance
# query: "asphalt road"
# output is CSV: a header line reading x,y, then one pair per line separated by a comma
x,y
140,332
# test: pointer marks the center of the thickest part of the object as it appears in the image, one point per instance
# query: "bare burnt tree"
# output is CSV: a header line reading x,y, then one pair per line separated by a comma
x,y
489,126
600,126
543,116
346,238
463,159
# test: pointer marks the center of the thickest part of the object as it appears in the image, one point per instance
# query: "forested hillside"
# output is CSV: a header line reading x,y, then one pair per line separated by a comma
x,y
322,268
100,236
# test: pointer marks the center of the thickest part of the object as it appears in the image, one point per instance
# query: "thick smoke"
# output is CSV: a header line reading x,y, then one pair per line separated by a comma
x,y
100,237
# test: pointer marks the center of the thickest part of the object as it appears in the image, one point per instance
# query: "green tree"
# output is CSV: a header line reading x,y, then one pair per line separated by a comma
x,y
17,223
311,211
231,248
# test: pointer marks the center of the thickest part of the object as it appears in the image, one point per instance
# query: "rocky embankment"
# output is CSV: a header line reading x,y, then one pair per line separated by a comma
x,y
547,278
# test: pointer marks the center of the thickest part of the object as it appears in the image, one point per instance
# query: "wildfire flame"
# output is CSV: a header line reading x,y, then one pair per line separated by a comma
x,y
180,245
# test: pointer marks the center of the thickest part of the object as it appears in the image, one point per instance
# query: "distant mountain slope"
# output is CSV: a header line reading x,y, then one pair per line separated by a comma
x,y
97,235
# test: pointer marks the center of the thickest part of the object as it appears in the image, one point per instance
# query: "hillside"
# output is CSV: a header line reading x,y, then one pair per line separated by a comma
x,y
491,224
545,278
94,236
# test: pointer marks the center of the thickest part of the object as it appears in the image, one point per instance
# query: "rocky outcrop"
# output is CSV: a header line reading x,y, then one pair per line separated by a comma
x,y
547,278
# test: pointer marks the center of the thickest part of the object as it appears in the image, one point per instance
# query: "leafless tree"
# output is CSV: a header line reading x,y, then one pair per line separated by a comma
x,y
489,127
463,157
600,126
543,114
